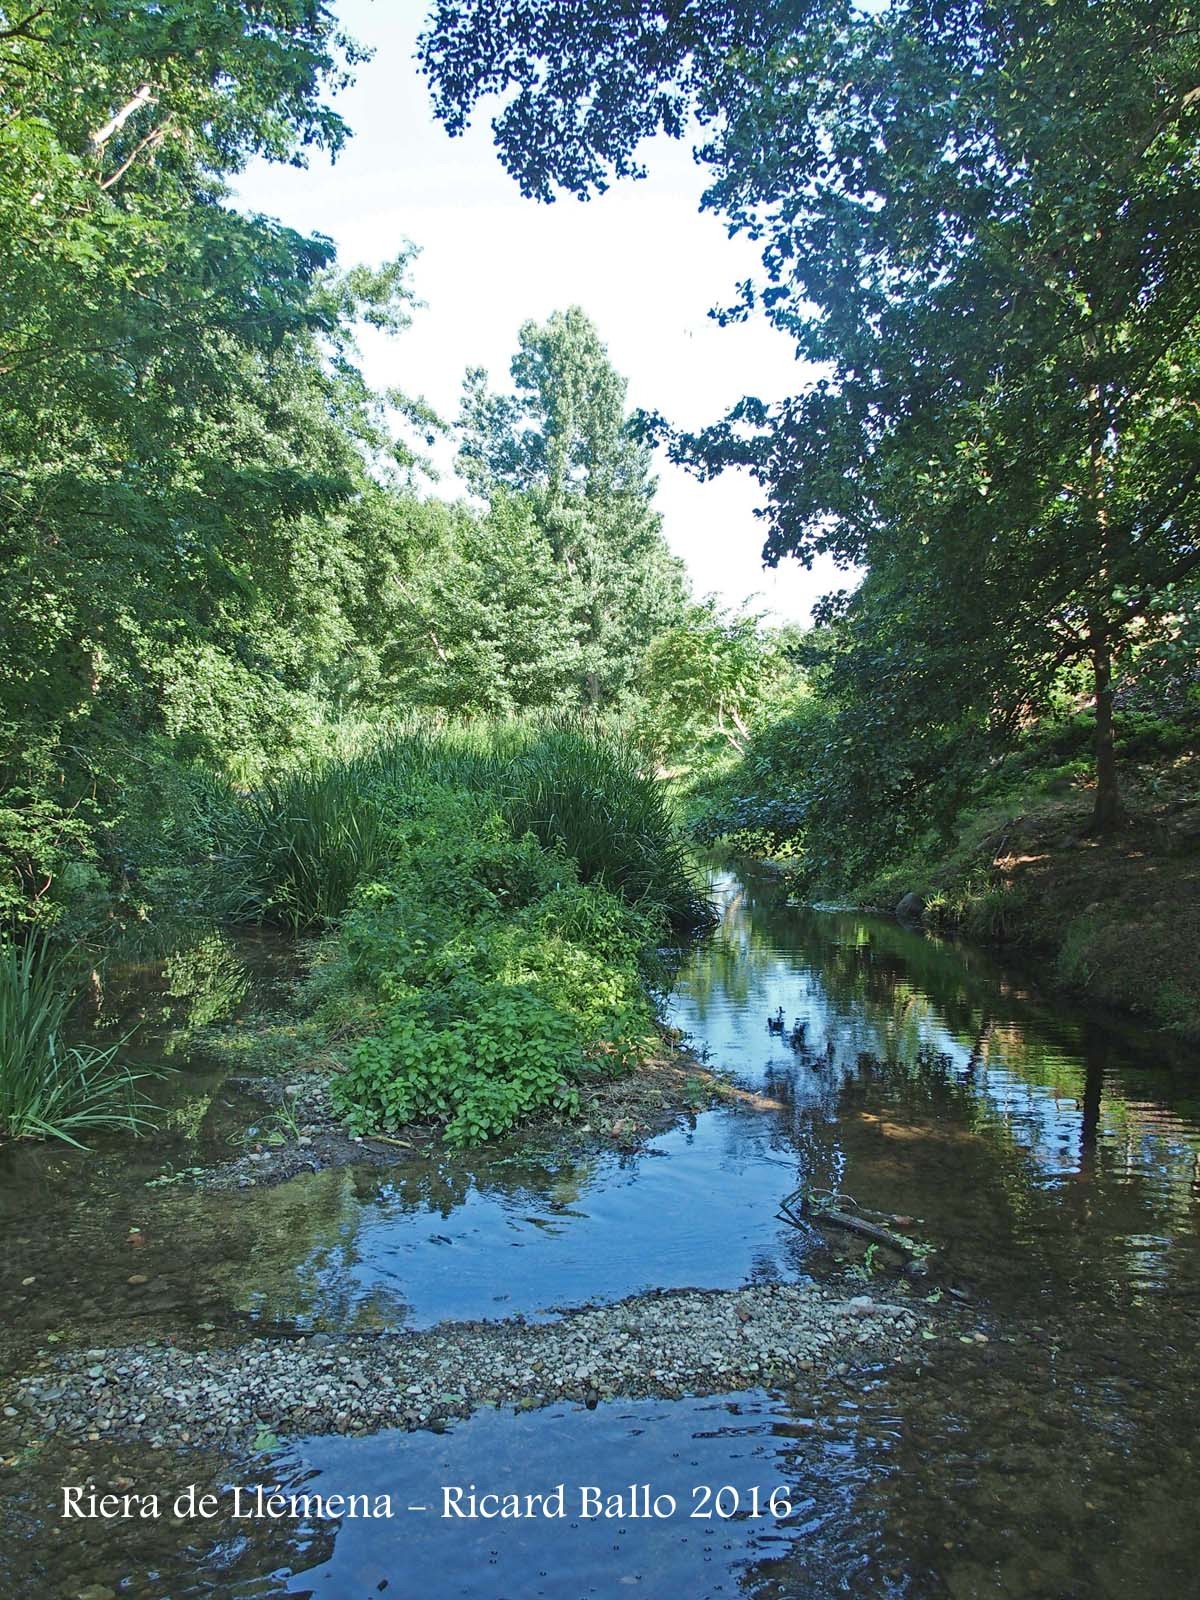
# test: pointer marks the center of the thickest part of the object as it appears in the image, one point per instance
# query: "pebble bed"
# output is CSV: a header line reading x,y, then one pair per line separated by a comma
x,y
653,1345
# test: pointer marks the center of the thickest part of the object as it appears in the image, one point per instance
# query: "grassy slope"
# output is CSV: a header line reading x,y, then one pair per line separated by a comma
x,y
1120,918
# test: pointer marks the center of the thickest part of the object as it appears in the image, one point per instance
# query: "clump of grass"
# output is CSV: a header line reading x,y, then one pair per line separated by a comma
x,y
49,1089
310,838
591,798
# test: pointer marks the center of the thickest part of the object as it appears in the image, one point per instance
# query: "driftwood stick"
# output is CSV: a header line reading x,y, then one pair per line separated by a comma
x,y
868,1230
795,1209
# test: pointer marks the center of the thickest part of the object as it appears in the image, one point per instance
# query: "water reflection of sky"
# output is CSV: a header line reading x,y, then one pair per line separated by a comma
x,y
695,1209
1052,1165
1066,1116
747,1446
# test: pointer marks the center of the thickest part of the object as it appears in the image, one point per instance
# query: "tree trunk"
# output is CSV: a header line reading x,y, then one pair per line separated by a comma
x,y
1108,813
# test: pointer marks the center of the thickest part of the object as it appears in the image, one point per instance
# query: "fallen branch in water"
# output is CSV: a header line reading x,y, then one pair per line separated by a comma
x,y
797,1209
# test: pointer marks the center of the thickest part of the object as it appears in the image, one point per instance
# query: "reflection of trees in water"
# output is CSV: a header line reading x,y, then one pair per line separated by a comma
x,y
1024,1188
184,983
279,1253
316,1276
208,980
443,1183
731,965
1100,1254
867,984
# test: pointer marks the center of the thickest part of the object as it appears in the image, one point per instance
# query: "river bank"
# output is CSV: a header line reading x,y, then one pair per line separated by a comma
x,y
1116,918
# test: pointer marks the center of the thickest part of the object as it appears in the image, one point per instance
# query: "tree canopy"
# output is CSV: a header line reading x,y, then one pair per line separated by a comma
x,y
215,536
562,442
980,223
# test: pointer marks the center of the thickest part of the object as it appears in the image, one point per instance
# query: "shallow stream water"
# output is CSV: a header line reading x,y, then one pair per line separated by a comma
x,y
1050,1157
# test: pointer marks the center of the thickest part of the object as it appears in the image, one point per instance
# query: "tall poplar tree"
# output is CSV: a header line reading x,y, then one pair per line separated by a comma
x,y
562,441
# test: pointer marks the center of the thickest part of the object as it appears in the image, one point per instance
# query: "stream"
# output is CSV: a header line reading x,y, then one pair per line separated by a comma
x,y
1050,1156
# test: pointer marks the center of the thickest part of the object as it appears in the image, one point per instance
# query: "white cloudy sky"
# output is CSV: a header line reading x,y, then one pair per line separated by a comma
x,y
641,260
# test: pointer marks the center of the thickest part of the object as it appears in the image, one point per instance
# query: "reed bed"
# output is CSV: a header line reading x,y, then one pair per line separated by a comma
x,y
309,838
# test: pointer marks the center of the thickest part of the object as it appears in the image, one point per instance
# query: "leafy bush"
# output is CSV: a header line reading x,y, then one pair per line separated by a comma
x,y
495,980
49,1089
760,807
509,1055
47,832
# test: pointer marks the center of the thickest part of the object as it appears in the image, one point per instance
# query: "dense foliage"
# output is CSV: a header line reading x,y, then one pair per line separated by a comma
x,y
706,682
562,442
227,584
498,980
218,555
185,504
299,848
498,895
981,224
251,667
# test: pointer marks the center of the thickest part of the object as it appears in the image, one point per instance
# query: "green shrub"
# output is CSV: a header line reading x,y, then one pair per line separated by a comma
x,y
309,839
499,892
495,979
509,1055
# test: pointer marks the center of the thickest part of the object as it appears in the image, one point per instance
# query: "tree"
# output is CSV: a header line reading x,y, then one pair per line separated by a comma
x,y
141,318
562,442
472,619
587,82
982,223
188,453
706,680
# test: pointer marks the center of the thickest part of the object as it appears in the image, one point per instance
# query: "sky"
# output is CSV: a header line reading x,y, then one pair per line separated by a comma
x,y
641,260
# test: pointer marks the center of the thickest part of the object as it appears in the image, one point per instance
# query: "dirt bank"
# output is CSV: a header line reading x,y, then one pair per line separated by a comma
x,y
1118,917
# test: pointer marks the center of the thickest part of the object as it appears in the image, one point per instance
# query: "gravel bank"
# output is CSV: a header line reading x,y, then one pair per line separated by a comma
x,y
659,1344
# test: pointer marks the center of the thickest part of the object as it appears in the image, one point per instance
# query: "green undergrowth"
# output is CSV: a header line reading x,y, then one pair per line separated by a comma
x,y
491,900
486,899
480,980
305,842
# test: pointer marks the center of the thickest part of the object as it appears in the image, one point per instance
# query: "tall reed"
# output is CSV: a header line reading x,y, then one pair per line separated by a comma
x,y
49,1089
310,837
592,797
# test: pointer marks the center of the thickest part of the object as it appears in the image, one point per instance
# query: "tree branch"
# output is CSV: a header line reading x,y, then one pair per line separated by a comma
x,y
154,137
144,96
20,30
